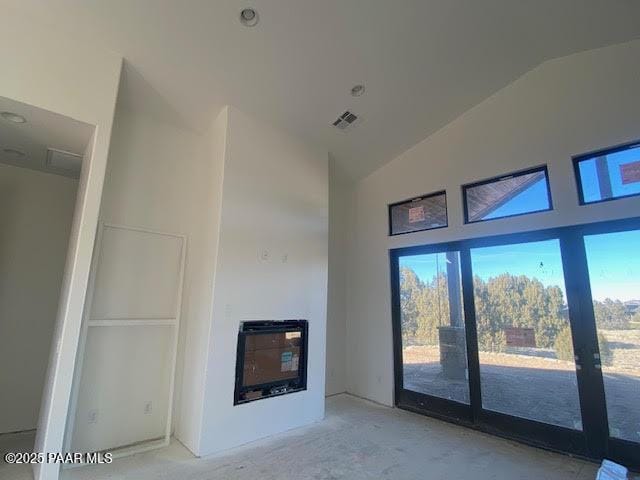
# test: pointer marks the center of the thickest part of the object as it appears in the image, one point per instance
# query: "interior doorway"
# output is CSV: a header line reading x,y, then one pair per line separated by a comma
x,y
546,347
41,157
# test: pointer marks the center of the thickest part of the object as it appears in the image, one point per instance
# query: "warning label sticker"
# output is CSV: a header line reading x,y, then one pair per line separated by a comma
x,y
286,362
416,214
630,172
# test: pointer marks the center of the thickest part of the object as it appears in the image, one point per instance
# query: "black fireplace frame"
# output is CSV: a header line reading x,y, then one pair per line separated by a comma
x,y
277,387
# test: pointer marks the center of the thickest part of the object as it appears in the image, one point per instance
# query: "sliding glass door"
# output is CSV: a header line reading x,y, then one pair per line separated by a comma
x,y
533,336
434,351
614,277
525,346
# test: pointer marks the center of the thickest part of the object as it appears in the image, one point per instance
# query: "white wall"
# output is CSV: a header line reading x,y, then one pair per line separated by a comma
x,y
72,77
159,177
340,216
562,108
129,339
275,198
128,366
163,177
196,326
36,210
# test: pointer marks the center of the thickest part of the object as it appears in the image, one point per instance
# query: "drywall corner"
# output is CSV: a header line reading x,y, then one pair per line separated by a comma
x,y
196,330
340,189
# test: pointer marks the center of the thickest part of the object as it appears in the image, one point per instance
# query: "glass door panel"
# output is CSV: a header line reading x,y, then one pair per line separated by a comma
x,y
614,273
434,353
525,347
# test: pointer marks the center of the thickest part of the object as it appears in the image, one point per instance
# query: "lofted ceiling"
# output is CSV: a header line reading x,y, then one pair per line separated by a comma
x,y
27,145
423,62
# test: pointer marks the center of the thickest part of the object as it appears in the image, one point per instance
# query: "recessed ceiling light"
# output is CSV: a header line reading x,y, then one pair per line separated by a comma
x,y
357,90
13,152
13,117
249,17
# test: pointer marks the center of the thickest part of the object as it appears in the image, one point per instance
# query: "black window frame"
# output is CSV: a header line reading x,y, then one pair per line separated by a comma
x,y
594,441
412,199
597,153
275,387
466,186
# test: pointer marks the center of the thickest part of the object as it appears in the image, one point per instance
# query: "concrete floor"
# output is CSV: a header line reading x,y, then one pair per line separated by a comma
x,y
357,440
16,442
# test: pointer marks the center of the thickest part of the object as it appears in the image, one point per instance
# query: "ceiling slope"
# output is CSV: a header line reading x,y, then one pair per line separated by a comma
x,y
424,62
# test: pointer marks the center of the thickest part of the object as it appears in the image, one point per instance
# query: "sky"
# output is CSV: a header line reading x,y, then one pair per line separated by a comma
x,y
532,199
614,265
539,260
613,259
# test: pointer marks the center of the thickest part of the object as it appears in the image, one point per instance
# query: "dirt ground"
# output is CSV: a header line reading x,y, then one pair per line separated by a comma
x,y
431,353
531,383
624,344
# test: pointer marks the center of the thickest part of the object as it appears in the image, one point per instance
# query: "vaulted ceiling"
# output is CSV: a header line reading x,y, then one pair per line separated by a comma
x,y
423,62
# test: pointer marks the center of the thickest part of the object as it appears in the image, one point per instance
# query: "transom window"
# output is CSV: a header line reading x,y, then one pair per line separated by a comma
x,y
421,213
507,196
608,174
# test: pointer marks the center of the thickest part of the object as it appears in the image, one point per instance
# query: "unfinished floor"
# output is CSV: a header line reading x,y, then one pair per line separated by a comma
x,y
357,440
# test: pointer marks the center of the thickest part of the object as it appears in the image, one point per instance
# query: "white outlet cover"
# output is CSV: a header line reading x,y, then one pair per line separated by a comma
x,y
264,255
148,408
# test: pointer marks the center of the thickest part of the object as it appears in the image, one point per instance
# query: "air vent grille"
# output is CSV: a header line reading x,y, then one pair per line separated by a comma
x,y
64,163
345,120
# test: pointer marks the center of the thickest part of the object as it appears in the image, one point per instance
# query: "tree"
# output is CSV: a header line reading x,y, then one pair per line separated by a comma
x,y
517,301
611,314
410,290
500,302
606,355
564,345
433,310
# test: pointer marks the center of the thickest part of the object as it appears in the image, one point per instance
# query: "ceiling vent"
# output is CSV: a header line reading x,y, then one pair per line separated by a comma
x,y
64,162
345,120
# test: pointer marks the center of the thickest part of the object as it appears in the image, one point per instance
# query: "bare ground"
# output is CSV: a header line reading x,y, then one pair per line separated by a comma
x,y
539,387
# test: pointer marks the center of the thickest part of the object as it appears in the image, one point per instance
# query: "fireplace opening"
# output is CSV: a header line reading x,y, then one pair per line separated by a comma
x,y
271,359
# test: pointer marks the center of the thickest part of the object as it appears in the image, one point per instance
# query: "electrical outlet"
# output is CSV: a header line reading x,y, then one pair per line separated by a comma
x,y
148,408
264,255
92,416
285,258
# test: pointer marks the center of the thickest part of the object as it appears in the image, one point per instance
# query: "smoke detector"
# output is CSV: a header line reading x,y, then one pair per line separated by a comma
x,y
345,120
249,17
357,90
